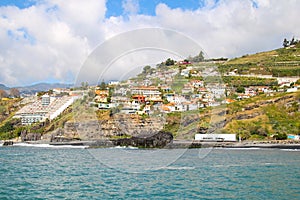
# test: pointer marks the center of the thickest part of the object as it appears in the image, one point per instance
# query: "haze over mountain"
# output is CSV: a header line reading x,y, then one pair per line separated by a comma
x,y
3,87
37,87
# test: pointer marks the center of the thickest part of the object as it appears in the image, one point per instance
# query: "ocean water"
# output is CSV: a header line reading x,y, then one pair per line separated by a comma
x,y
70,173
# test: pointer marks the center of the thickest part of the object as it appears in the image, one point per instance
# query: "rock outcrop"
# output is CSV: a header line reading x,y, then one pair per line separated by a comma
x,y
26,136
119,125
158,140
8,143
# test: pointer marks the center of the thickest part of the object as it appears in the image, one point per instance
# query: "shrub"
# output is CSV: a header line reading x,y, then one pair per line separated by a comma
x,y
280,136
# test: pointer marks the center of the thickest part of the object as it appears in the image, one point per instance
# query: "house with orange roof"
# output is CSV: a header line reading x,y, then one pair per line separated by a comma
x,y
151,93
228,101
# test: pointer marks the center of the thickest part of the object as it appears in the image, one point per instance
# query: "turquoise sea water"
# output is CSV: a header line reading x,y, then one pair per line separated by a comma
x,y
47,173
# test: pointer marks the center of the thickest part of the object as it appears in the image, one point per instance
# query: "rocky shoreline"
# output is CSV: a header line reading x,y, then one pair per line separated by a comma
x,y
287,144
175,144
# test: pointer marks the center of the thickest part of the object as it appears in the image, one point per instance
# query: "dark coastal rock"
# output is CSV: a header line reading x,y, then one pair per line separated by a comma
x,y
25,136
60,136
8,143
158,140
202,130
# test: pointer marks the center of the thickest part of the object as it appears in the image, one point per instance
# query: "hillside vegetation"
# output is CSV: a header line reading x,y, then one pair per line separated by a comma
x,y
261,117
280,62
12,128
264,116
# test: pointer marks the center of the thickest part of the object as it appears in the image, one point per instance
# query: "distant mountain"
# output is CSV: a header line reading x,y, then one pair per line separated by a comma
x,y
4,87
42,87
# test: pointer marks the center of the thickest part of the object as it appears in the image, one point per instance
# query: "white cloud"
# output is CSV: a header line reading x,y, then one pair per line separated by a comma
x,y
263,3
232,28
51,40
119,56
58,39
130,6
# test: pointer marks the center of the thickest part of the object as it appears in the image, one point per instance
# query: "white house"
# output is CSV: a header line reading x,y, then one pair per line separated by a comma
x,y
151,93
294,89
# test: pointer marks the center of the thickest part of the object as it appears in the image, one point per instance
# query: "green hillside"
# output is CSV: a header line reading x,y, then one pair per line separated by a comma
x,y
264,116
260,117
280,62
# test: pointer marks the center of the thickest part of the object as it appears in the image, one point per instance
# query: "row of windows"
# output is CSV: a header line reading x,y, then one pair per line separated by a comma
x,y
29,120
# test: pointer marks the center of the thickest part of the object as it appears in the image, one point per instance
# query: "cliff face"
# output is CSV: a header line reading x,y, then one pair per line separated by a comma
x,y
118,125
252,118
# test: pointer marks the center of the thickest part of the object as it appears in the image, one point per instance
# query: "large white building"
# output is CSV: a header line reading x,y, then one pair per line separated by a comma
x,y
216,137
44,108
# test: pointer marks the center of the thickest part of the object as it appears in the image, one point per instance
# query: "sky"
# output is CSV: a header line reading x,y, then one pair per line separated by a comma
x,y
53,40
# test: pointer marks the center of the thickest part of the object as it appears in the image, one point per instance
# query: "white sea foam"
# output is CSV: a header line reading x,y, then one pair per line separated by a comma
x,y
290,149
239,148
124,147
49,146
177,168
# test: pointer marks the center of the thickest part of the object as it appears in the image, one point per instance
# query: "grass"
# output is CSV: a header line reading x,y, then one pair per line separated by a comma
x,y
279,62
249,81
279,117
178,83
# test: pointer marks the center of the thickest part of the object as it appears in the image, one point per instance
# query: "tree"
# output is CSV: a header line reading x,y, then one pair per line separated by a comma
x,y
50,92
280,136
285,43
240,89
293,41
197,58
14,92
169,62
146,69
102,85
201,56
84,85
3,94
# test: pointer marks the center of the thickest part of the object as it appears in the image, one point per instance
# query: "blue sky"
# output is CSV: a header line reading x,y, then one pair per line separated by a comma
x,y
40,43
147,7
18,3
115,8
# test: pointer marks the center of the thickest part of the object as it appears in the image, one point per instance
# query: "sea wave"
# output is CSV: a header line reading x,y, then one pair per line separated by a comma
x,y
124,147
240,148
49,146
176,168
290,149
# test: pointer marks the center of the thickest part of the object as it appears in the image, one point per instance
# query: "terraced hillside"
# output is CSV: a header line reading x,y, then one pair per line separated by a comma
x,y
279,63
264,116
261,117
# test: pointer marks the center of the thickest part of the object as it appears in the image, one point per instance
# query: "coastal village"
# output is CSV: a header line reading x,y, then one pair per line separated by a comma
x,y
149,99
146,98
185,86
